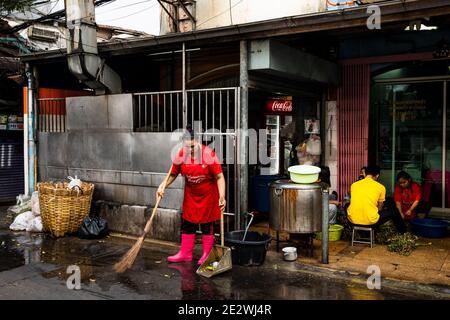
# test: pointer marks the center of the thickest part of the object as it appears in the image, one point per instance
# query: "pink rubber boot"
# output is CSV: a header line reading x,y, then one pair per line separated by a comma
x,y
185,253
208,242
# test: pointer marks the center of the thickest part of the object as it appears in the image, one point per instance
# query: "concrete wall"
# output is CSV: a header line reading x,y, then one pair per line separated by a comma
x,y
331,148
213,14
101,147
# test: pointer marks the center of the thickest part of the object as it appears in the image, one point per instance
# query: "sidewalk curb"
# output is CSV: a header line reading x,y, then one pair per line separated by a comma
x,y
350,277
434,291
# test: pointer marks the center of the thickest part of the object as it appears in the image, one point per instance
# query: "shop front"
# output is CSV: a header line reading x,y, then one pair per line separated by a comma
x,y
286,107
409,126
392,109
11,143
289,134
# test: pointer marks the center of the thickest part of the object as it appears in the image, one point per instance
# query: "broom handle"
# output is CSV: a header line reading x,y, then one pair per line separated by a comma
x,y
221,229
150,221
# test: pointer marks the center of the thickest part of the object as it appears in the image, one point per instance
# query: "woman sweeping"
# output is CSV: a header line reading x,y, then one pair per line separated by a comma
x,y
204,195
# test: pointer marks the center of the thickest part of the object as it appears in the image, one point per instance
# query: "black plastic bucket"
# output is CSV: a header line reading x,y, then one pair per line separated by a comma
x,y
252,251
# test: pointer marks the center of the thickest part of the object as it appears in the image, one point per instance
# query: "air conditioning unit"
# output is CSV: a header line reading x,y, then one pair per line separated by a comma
x,y
42,34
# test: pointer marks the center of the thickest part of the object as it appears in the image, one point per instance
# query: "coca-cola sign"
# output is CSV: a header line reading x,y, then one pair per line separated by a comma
x,y
279,105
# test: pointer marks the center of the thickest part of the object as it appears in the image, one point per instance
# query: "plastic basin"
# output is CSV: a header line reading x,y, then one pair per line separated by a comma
x,y
334,233
304,174
252,251
429,228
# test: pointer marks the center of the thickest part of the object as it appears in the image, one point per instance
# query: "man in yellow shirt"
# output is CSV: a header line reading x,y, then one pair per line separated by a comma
x,y
367,202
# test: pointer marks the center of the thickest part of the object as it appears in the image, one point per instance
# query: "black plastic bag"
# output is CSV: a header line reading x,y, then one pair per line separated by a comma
x,y
93,228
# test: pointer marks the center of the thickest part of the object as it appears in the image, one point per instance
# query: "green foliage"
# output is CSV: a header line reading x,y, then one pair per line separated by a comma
x,y
343,221
386,232
7,6
403,244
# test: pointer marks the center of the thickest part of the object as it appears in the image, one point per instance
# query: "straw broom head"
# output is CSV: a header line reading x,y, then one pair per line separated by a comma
x,y
128,259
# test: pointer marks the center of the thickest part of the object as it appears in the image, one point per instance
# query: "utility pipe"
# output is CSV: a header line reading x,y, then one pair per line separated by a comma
x,y
183,83
242,134
31,129
25,139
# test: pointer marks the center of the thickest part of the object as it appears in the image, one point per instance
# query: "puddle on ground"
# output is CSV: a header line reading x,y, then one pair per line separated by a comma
x,y
151,276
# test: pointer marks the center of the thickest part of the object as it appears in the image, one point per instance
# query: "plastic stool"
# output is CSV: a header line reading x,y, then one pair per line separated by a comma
x,y
364,240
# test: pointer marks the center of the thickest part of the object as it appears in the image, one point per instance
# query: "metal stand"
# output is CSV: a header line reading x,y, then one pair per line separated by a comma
x,y
305,244
278,241
325,220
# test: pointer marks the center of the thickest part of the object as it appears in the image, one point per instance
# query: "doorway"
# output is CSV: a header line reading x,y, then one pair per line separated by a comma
x,y
410,122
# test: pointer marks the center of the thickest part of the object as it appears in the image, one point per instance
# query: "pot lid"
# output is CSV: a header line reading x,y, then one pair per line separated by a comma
x,y
288,184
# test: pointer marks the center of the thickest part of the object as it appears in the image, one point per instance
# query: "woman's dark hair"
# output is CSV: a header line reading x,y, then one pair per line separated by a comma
x,y
373,170
188,133
324,175
403,175
362,176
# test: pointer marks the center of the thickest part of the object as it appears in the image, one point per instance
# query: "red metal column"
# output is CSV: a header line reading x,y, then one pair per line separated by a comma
x,y
353,123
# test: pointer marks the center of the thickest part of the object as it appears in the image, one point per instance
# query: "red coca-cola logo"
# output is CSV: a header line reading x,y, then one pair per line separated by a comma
x,y
279,105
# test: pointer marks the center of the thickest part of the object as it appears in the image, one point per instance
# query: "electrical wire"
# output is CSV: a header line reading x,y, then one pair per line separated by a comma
x,y
51,16
231,13
38,11
61,35
54,6
221,13
132,14
99,3
125,6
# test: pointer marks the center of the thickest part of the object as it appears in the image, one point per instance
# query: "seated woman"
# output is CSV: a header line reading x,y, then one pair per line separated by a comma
x,y
408,197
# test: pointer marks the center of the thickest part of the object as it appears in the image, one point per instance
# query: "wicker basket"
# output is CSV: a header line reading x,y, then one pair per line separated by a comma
x,y
62,209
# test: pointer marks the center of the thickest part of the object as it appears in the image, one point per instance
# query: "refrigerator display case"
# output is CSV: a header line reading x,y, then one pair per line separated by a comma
x,y
273,143
276,152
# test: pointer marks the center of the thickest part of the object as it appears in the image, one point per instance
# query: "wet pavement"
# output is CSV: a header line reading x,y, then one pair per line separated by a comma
x,y
34,266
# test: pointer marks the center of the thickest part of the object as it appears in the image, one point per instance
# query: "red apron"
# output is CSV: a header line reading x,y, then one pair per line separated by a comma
x,y
201,194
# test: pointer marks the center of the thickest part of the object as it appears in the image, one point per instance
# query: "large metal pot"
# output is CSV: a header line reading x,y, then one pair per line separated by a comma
x,y
295,208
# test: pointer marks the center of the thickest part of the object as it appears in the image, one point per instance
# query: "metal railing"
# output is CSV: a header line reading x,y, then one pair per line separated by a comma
x,y
158,111
215,108
51,115
163,111
217,111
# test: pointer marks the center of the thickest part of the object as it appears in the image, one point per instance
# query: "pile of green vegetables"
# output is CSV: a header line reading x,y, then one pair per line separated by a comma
x,y
403,244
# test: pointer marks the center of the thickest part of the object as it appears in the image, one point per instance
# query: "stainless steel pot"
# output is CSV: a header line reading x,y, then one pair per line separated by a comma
x,y
295,208
290,253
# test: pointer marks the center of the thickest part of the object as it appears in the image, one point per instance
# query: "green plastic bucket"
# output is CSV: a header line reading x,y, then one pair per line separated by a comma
x,y
334,233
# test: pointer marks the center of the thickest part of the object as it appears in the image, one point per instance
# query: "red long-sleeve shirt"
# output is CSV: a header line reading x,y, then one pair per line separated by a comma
x,y
407,196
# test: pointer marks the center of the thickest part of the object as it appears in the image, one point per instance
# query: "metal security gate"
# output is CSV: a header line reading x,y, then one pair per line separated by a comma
x,y
353,131
216,111
51,115
11,170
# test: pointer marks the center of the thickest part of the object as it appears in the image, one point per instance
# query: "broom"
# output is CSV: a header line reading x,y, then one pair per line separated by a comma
x,y
128,258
